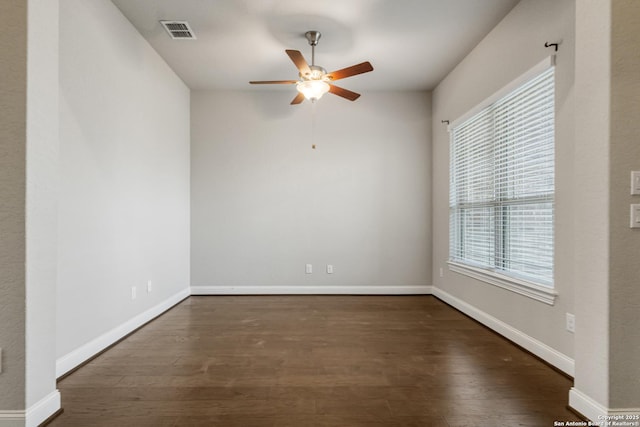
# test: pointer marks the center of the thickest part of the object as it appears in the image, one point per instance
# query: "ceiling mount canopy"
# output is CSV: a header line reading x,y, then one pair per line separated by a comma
x,y
314,80
313,37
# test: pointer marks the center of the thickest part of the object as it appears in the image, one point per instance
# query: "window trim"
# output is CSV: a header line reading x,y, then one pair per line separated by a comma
x,y
538,292
519,286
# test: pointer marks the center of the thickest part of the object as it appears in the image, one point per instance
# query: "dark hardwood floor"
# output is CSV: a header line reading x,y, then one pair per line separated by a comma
x,y
314,361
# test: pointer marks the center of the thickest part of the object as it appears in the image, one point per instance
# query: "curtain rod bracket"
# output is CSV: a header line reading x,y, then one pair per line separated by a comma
x,y
555,45
444,121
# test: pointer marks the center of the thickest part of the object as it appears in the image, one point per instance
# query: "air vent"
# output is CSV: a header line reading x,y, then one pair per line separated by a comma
x,y
178,30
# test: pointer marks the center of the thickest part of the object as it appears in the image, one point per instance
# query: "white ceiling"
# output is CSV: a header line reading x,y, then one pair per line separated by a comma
x,y
412,44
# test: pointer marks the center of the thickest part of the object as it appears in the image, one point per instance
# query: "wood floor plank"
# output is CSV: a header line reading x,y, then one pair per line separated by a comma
x,y
313,361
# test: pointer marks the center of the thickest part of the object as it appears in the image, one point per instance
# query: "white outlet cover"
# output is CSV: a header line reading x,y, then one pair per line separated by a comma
x,y
308,269
634,216
571,322
133,293
635,183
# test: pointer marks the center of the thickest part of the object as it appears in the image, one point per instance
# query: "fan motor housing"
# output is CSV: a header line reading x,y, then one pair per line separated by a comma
x,y
317,73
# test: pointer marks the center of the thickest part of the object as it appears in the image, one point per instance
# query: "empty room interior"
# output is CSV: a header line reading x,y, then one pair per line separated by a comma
x,y
448,236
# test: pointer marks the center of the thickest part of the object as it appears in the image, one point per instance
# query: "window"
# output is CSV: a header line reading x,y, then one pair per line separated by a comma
x,y
501,194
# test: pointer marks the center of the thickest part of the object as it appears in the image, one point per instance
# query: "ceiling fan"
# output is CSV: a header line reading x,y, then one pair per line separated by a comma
x,y
314,80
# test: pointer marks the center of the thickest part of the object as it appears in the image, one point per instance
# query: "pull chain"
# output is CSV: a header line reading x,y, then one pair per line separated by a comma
x,y
313,125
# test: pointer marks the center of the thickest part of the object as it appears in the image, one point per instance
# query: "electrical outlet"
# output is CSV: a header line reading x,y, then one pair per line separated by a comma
x,y
134,292
149,286
329,269
635,183
0,360
441,272
635,216
571,322
308,269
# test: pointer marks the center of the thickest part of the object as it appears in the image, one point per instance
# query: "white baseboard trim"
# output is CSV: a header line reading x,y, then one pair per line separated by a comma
x,y
12,418
73,359
540,349
586,405
33,416
311,290
598,413
43,409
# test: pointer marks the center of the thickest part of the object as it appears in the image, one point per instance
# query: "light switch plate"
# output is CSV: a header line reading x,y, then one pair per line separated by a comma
x,y
635,216
635,183
571,322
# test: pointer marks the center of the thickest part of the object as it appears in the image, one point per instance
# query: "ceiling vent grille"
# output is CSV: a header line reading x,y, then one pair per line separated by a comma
x,y
179,30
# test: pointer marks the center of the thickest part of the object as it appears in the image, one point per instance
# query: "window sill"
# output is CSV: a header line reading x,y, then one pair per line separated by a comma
x,y
522,287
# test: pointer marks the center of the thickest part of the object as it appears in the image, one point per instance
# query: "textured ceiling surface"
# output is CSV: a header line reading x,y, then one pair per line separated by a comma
x,y
412,44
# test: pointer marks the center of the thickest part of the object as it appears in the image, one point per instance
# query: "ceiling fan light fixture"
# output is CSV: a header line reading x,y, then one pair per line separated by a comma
x,y
313,89
314,80
315,73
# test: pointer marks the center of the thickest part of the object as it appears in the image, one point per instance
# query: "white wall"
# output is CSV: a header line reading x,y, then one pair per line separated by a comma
x,y
41,203
625,243
124,175
13,102
264,203
514,46
13,108
607,268
592,255
28,191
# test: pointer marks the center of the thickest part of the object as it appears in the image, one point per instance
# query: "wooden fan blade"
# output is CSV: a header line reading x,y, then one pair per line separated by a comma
x,y
299,60
274,82
336,90
361,68
298,99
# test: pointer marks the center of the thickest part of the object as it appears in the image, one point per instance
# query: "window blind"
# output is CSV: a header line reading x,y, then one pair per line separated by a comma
x,y
502,184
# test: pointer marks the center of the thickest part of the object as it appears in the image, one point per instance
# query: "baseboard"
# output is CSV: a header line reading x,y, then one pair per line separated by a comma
x,y
599,413
311,290
33,416
585,405
43,409
78,356
540,349
13,418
